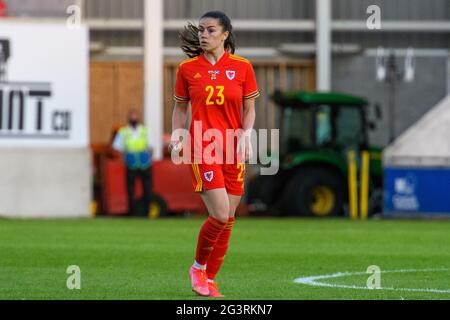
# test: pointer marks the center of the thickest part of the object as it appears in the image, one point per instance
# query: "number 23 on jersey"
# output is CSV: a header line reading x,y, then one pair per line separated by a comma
x,y
216,91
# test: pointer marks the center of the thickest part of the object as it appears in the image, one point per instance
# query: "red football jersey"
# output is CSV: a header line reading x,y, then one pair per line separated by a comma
x,y
216,92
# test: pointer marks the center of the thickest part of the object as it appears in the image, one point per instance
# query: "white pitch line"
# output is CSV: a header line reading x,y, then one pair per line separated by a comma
x,y
313,280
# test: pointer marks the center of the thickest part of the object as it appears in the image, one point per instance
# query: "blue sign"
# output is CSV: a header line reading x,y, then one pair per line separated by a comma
x,y
417,190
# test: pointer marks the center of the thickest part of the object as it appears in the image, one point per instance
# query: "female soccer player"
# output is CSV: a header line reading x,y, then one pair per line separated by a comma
x,y
221,88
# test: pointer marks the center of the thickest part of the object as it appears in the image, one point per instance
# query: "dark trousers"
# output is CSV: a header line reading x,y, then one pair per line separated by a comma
x,y
146,179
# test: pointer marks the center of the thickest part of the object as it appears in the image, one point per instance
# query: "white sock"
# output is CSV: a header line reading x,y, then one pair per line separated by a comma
x,y
199,266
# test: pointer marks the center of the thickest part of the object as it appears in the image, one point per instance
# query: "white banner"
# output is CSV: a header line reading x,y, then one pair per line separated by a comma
x,y
43,84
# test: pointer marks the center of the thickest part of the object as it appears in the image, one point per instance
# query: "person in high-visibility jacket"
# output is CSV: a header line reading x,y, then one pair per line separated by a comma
x,y
132,142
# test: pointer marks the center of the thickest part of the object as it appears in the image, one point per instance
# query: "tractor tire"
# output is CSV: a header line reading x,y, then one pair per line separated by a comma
x,y
314,192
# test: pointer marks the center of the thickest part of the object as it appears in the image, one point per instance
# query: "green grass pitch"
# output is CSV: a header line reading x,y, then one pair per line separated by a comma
x,y
149,259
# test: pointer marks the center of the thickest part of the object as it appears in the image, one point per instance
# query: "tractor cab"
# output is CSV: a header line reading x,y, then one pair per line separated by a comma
x,y
317,130
320,121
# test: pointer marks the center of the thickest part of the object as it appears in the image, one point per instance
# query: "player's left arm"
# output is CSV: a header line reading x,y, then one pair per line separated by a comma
x,y
248,121
251,92
249,115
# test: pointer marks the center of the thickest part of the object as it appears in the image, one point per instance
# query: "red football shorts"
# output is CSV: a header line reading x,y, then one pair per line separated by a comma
x,y
213,176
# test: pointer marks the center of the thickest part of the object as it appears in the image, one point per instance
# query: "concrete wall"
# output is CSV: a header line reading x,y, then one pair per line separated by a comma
x,y
45,183
356,75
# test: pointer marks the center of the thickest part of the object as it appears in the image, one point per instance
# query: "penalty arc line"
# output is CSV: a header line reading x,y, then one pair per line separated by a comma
x,y
313,280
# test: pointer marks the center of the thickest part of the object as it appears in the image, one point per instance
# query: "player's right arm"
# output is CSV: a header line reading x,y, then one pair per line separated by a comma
x,y
179,117
180,109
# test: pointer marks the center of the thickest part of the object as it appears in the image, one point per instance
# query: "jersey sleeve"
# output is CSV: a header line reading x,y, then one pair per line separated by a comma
x,y
250,86
181,93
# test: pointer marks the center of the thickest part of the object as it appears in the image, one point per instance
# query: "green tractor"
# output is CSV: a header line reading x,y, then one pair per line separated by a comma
x,y
317,131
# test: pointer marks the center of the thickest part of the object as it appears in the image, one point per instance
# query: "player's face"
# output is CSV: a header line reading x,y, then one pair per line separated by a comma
x,y
211,34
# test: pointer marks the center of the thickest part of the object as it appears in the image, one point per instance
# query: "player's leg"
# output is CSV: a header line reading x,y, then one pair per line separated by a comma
x,y
220,249
208,181
233,201
233,177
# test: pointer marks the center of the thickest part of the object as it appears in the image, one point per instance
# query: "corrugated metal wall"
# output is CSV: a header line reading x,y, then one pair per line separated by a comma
x,y
38,8
179,9
256,9
282,9
270,9
126,9
394,40
239,9
393,9
117,37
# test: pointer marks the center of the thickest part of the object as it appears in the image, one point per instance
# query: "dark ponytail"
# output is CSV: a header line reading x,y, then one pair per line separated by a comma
x,y
189,41
189,35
